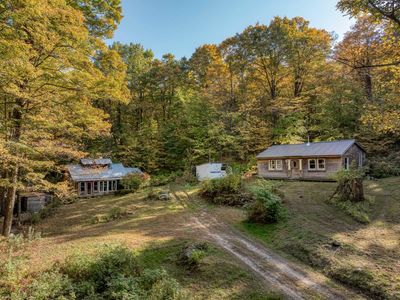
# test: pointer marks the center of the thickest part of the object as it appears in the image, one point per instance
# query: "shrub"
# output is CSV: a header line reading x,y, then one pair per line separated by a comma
x,y
50,285
192,255
380,167
227,191
350,185
267,205
132,182
164,178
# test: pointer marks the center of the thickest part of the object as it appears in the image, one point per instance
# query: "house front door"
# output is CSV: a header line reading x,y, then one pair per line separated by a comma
x,y
295,168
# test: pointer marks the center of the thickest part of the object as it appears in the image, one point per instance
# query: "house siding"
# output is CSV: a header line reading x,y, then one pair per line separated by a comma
x,y
332,165
354,153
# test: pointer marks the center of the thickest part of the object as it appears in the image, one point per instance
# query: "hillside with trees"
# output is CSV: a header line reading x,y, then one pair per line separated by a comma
x,y
65,94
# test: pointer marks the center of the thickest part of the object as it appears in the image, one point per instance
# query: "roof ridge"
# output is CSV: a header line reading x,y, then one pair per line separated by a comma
x,y
321,142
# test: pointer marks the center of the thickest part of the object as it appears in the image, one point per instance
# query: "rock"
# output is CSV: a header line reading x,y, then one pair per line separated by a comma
x,y
164,196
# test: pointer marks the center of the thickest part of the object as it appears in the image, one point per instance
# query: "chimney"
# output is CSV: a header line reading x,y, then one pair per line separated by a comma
x,y
308,140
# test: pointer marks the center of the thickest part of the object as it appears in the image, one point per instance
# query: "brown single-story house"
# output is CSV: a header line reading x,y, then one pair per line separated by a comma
x,y
96,177
309,161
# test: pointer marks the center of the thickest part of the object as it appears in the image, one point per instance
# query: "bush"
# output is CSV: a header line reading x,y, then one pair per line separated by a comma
x,y
267,206
192,255
350,184
112,273
163,179
387,166
132,182
226,191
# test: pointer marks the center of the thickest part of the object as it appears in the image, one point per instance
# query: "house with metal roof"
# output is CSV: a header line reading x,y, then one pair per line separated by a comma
x,y
96,177
309,161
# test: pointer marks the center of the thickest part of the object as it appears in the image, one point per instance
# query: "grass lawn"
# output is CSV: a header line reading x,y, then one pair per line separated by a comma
x,y
155,230
365,256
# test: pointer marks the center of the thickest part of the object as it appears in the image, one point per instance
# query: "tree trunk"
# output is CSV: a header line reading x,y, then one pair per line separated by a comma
x,y
15,135
10,201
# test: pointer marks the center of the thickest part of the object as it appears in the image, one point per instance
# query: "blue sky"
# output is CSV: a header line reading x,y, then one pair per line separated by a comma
x,y
180,26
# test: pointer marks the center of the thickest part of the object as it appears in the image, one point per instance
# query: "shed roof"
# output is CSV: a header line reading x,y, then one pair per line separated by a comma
x,y
333,148
98,161
113,172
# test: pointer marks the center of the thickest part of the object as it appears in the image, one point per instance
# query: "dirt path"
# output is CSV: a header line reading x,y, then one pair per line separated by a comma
x,y
277,272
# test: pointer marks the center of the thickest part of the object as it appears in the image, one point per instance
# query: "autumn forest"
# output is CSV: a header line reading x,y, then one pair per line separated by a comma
x,y
66,94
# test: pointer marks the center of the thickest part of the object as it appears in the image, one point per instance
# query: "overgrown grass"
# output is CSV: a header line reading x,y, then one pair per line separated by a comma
x,y
113,272
326,238
217,276
115,213
359,211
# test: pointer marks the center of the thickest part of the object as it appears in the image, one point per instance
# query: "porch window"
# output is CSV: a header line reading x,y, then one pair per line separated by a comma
x,y
101,186
95,186
82,187
275,165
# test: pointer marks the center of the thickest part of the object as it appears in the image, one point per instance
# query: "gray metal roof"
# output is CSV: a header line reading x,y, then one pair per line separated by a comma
x,y
99,161
333,148
113,172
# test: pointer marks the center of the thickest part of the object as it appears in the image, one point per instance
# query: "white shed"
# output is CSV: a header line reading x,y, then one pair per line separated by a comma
x,y
210,171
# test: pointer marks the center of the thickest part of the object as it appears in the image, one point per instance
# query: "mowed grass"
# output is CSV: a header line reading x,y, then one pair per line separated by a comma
x,y
364,256
155,230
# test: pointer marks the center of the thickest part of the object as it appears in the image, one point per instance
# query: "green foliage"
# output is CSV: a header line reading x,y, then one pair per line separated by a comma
x,y
361,279
111,273
192,255
359,211
350,184
230,184
227,190
267,205
387,166
164,178
132,182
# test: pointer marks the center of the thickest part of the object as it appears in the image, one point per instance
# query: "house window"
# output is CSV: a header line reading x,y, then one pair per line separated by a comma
x,y
275,165
101,186
312,164
82,187
347,163
316,164
95,186
321,164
